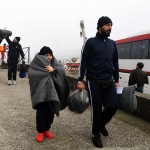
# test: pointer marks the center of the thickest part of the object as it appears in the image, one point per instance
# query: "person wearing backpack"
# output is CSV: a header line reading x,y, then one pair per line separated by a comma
x,y
15,49
99,62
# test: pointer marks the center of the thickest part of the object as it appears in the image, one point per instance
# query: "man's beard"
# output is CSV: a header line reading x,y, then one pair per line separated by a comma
x,y
105,34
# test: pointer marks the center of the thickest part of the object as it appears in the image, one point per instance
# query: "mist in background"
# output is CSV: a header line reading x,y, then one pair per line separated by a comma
x,y
56,23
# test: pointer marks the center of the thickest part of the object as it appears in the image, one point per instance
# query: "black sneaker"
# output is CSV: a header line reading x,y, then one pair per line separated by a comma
x,y
104,132
97,141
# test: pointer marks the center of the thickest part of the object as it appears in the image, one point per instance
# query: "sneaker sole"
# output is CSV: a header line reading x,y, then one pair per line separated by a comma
x,y
49,137
39,141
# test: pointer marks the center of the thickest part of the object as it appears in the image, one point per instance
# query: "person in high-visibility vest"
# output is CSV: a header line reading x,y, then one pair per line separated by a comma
x,y
3,50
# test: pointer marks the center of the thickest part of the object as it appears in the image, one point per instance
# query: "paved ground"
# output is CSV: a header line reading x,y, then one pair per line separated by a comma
x,y
71,131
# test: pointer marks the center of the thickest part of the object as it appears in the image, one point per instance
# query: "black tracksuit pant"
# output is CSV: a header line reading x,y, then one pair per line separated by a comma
x,y
12,69
102,97
44,117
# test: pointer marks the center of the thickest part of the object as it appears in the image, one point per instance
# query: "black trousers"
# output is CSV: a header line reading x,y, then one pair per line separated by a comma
x,y
104,105
12,68
44,117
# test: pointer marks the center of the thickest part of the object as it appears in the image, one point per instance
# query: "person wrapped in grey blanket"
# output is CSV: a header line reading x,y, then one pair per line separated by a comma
x,y
49,89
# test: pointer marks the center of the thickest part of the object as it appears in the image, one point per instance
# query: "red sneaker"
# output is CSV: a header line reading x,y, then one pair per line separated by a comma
x,y
39,137
48,134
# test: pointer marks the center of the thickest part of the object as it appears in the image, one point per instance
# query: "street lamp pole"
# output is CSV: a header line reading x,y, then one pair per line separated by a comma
x,y
82,33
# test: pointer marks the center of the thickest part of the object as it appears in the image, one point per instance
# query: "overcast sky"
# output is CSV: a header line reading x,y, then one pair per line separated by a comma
x,y
56,23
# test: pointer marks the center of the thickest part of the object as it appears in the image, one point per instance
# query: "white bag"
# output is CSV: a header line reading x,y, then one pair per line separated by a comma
x,y
79,101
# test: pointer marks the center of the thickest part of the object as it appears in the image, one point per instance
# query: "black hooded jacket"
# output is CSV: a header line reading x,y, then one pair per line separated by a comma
x,y
14,50
99,59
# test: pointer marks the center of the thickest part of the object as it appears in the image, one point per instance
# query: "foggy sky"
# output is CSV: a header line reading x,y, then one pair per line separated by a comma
x,y
56,23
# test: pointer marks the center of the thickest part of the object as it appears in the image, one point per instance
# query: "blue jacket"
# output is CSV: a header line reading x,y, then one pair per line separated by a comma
x,y
99,59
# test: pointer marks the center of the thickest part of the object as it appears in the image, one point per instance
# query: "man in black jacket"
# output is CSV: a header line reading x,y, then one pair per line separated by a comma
x,y
99,62
15,49
138,77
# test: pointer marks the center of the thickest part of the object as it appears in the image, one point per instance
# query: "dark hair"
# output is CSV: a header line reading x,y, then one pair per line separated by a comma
x,y
140,65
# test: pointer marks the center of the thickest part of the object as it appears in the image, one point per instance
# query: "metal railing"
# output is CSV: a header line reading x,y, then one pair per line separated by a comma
x,y
26,51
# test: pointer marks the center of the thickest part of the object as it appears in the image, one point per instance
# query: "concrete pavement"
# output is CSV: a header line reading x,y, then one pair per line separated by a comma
x,y
71,131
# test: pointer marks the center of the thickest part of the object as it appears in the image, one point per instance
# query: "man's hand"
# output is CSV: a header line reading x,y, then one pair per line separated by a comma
x,y
80,85
117,85
49,68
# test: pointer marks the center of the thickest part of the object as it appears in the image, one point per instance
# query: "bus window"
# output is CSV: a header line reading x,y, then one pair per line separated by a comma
x,y
144,47
124,51
117,47
136,50
140,49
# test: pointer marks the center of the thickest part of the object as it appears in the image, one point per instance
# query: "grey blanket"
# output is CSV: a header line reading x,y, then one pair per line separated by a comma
x,y
127,100
52,87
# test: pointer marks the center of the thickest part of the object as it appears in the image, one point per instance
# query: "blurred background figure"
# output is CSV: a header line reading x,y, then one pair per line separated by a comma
x,y
138,77
3,50
15,50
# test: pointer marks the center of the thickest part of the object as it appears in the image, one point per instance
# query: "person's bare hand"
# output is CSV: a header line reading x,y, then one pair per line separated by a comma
x,y
80,85
117,85
49,68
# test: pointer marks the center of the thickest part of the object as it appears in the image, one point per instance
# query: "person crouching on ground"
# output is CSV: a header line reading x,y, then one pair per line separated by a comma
x,y
49,90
